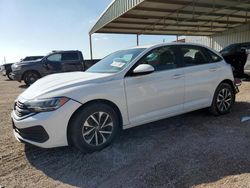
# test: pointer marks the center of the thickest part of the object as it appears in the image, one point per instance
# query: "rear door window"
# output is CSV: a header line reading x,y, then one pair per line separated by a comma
x,y
193,55
70,57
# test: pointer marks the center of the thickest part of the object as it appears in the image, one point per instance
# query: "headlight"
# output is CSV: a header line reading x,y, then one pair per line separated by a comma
x,y
15,67
46,105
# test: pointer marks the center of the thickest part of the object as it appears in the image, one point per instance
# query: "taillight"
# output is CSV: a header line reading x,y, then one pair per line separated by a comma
x,y
237,82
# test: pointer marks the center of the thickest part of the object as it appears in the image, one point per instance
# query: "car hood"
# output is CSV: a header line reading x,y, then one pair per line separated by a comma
x,y
28,62
56,84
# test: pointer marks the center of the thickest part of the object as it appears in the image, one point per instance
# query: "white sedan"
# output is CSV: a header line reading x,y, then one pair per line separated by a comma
x,y
125,89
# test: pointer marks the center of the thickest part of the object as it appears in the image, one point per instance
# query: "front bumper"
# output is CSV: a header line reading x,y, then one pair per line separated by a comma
x,y
46,129
16,76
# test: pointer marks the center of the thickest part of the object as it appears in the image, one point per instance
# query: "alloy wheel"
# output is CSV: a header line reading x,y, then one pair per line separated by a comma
x,y
224,100
32,78
97,128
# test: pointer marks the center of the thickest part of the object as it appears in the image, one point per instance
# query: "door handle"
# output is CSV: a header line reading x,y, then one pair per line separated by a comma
x,y
213,69
178,76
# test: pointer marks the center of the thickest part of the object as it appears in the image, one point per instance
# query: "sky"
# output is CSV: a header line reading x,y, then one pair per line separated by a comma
x,y
36,27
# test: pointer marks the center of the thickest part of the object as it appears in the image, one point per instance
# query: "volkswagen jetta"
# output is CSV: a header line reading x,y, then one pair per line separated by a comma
x,y
125,89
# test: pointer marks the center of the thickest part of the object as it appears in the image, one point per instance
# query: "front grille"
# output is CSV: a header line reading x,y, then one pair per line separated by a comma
x,y
21,110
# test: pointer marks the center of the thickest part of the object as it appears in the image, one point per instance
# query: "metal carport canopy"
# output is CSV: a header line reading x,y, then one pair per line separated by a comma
x,y
172,17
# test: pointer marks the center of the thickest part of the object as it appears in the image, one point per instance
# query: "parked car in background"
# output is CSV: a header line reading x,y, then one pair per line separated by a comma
x,y
6,68
125,89
90,62
235,55
55,62
247,65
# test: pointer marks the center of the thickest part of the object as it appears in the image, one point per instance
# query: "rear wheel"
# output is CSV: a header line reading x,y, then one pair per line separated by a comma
x,y
94,127
30,77
224,98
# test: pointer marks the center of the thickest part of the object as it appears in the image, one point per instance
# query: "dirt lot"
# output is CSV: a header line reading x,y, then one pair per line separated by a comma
x,y
192,150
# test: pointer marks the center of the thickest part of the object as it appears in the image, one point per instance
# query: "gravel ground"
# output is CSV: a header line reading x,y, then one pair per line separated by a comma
x,y
192,150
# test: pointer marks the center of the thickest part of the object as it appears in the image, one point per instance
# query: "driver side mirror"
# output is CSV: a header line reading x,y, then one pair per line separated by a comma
x,y
143,69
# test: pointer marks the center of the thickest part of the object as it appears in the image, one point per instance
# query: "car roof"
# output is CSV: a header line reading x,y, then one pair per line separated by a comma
x,y
152,46
168,44
62,51
56,51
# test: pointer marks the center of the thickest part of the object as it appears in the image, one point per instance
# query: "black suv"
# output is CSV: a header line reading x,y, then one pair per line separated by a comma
x,y
55,62
236,55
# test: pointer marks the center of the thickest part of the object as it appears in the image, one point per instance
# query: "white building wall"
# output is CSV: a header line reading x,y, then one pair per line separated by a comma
x,y
219,41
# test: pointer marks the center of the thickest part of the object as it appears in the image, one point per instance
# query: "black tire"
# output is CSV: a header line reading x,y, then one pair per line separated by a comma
x,y
78,127
8,75
223,100
30,77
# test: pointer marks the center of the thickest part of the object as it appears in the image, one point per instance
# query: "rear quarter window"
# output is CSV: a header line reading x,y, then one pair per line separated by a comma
x,y
70,57
214,58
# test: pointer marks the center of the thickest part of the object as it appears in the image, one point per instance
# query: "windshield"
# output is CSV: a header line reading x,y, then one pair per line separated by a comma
x,y
116,61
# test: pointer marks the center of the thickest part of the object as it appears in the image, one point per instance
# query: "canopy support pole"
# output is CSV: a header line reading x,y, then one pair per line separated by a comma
x,y
137,40
90,46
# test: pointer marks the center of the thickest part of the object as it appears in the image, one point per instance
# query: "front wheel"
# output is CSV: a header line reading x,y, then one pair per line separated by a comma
x,y
94,127
30,77
9,76
223,100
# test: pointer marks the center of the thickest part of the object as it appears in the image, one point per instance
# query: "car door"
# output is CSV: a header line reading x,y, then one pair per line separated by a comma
x,y
53,63
71,62
201,76
159,94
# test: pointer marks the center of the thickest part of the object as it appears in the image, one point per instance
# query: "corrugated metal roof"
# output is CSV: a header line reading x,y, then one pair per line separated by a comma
x,y
237,35
172,17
